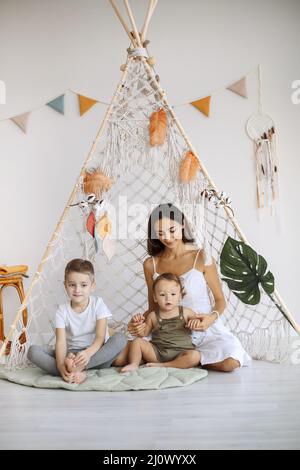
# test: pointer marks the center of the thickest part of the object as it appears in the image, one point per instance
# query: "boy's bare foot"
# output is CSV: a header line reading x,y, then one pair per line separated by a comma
x,y
129,368
69,362
155,364
79,377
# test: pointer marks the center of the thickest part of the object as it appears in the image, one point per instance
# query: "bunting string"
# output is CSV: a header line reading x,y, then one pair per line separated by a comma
x,y
85,103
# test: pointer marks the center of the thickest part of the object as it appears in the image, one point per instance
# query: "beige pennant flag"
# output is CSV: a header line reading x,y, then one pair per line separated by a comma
x,y
239,87
203,105
21,121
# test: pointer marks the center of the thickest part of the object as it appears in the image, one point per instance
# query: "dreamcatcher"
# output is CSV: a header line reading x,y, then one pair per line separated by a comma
x,y
261,129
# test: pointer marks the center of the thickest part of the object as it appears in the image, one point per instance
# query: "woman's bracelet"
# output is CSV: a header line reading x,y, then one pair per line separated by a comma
x,y
218,315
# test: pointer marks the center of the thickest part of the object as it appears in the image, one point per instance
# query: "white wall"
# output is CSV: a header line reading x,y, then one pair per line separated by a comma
x,y
49,46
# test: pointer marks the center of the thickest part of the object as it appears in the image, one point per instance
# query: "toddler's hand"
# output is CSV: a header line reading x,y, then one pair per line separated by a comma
x,y
138,318
201,322
137,325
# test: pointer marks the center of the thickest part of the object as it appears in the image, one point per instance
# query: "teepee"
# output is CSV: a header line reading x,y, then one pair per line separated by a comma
x,y
135,174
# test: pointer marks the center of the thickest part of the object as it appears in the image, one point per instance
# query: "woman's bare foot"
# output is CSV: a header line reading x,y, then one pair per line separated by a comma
x,y
69,362
129,368
79,377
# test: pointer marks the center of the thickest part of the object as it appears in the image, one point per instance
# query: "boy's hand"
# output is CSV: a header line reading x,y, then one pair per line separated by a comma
x,y
82,358
67,376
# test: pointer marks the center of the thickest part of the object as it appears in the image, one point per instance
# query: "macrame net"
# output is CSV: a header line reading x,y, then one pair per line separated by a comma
x,y
143,177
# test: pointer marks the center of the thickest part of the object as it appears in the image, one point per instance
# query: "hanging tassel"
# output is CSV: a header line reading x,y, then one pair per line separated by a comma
x,y
103,226
158,127
189,167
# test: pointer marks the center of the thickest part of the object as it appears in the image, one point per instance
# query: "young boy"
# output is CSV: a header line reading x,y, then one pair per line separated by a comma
x,y
82,338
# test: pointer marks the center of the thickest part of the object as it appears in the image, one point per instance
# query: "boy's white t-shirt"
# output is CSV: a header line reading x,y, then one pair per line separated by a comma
x,y
81,327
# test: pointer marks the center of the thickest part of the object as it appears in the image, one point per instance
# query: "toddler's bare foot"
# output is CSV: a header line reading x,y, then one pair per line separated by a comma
x,y
155,364
69,362
129,368
79,377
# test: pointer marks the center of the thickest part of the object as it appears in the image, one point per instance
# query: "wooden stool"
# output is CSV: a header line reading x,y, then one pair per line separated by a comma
x,y
12,276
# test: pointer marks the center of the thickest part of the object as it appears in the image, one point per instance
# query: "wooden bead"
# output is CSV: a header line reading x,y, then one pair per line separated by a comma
x,y
151,61
145,43
123,67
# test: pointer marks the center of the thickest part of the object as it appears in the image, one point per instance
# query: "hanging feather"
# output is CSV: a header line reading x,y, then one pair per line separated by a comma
x,y
189,167
158,127
109,247
96,182
103,226
90,223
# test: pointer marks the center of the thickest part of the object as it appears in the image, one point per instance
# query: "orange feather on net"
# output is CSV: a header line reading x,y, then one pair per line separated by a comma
x,y
158,127
96,182
189,167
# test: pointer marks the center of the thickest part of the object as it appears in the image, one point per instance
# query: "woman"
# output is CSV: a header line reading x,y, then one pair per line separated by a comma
x,y
171,249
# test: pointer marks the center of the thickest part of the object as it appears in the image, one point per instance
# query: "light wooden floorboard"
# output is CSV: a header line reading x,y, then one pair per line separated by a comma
x,y
252,408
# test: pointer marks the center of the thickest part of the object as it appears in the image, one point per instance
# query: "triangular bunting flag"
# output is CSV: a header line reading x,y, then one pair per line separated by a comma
x,y
85,103
203,105
21,121
239,87
58,104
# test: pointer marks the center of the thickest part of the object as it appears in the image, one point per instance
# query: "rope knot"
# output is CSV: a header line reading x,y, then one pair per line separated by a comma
x,y
137,52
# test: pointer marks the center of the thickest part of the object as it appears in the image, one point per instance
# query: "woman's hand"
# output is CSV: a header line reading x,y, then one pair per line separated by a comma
x,y
137,325
201,322
138,318
194,324
82,358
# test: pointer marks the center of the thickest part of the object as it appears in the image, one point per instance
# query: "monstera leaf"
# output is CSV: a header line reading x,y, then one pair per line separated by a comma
x,y
244,271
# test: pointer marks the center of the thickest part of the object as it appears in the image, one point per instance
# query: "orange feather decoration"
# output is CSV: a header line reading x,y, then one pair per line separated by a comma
x,y
158,127
96,182
189,167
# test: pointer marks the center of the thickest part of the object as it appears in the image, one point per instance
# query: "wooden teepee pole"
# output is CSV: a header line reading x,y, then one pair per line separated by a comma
x,y
151,8
64,214
123,22
133,24
211,182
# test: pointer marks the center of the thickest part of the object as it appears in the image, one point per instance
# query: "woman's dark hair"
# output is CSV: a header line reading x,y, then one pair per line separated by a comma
x,y
165,211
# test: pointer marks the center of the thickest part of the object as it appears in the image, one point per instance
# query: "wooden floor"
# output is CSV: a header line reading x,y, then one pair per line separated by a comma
x,y
252,408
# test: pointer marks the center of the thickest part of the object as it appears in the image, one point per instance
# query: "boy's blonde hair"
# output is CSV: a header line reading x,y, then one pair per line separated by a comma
x,y
80,266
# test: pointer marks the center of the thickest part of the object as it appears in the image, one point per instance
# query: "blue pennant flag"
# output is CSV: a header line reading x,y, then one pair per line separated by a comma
x,y
58,104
